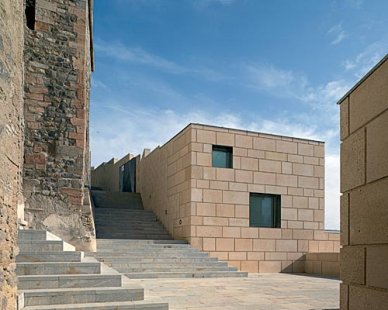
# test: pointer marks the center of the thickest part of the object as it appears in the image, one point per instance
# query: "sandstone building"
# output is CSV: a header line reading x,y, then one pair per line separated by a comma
x,y
364,187
255,200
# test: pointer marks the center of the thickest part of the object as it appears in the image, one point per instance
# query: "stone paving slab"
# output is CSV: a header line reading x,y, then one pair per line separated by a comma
x,y
256,292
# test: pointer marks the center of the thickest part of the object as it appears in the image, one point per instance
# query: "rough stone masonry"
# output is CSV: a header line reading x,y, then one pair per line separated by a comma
x,y
58,63
11,142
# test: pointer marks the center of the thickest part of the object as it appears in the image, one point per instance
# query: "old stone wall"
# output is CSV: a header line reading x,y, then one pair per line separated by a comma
x,y
209,206
58,64
11,142
364,187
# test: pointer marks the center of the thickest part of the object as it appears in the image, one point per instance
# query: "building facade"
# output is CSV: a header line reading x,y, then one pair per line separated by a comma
x,y
364,187
255,200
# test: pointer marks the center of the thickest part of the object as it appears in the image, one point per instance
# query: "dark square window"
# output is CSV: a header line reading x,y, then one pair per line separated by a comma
x,y
264,210
222,156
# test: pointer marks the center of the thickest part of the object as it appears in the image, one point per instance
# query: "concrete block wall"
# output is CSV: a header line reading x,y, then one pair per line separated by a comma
x,y
11,142
58,63
364,187
164,181
210,206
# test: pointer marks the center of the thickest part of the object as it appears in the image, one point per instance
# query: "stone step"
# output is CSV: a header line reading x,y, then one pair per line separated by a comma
x,y
57,268
147,242
116,227
44,245
152,249
133,230
68,281
81,295
30,235
167,260
187,269
110,211
134,247
136,256
116,200
129,236
134,213
71,256
205,263
138,305
209,274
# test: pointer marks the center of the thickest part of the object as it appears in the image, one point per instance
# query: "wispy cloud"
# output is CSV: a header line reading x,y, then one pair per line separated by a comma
x,y
360,64
201,4
337,34
98,84
135,55
138,56
296,86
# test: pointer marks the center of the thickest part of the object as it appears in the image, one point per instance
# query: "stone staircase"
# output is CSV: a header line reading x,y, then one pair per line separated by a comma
x,y
121,216
132,241
52,275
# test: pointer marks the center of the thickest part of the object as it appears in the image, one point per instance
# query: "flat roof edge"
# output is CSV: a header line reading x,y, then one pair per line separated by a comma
x,y
257,132
368,74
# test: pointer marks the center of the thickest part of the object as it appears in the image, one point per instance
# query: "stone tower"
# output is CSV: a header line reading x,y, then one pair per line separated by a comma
x,y
58,58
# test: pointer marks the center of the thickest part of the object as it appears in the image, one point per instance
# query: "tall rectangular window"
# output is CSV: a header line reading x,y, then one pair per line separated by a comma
x,y
30,14
264,210
222,156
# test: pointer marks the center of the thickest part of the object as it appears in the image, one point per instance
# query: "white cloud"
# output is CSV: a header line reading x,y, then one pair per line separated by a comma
x,y
135,55
139,56
98,84
337,34
360,64
201,4
296,86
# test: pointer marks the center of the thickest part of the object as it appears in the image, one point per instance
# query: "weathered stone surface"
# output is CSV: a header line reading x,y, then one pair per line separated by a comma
x,y
57,58
11,142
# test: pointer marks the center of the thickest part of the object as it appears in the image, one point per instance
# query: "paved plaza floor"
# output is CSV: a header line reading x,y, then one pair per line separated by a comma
x,y
256,292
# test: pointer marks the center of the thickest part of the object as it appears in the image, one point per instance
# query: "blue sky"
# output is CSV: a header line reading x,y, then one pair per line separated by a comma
x,y
276,66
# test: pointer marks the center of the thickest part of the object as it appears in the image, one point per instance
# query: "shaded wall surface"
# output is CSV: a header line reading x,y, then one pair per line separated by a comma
x,y
364,185
107,175
11,142
58,60
209,206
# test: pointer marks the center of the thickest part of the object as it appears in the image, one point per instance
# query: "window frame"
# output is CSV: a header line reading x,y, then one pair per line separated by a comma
x,y
276,209
226,149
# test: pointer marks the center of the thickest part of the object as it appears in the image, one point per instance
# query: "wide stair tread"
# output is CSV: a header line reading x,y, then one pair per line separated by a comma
x,y
138,305
53,275
165,260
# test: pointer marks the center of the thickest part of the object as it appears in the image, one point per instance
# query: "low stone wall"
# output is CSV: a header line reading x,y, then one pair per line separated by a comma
x,y
11,142
324,264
